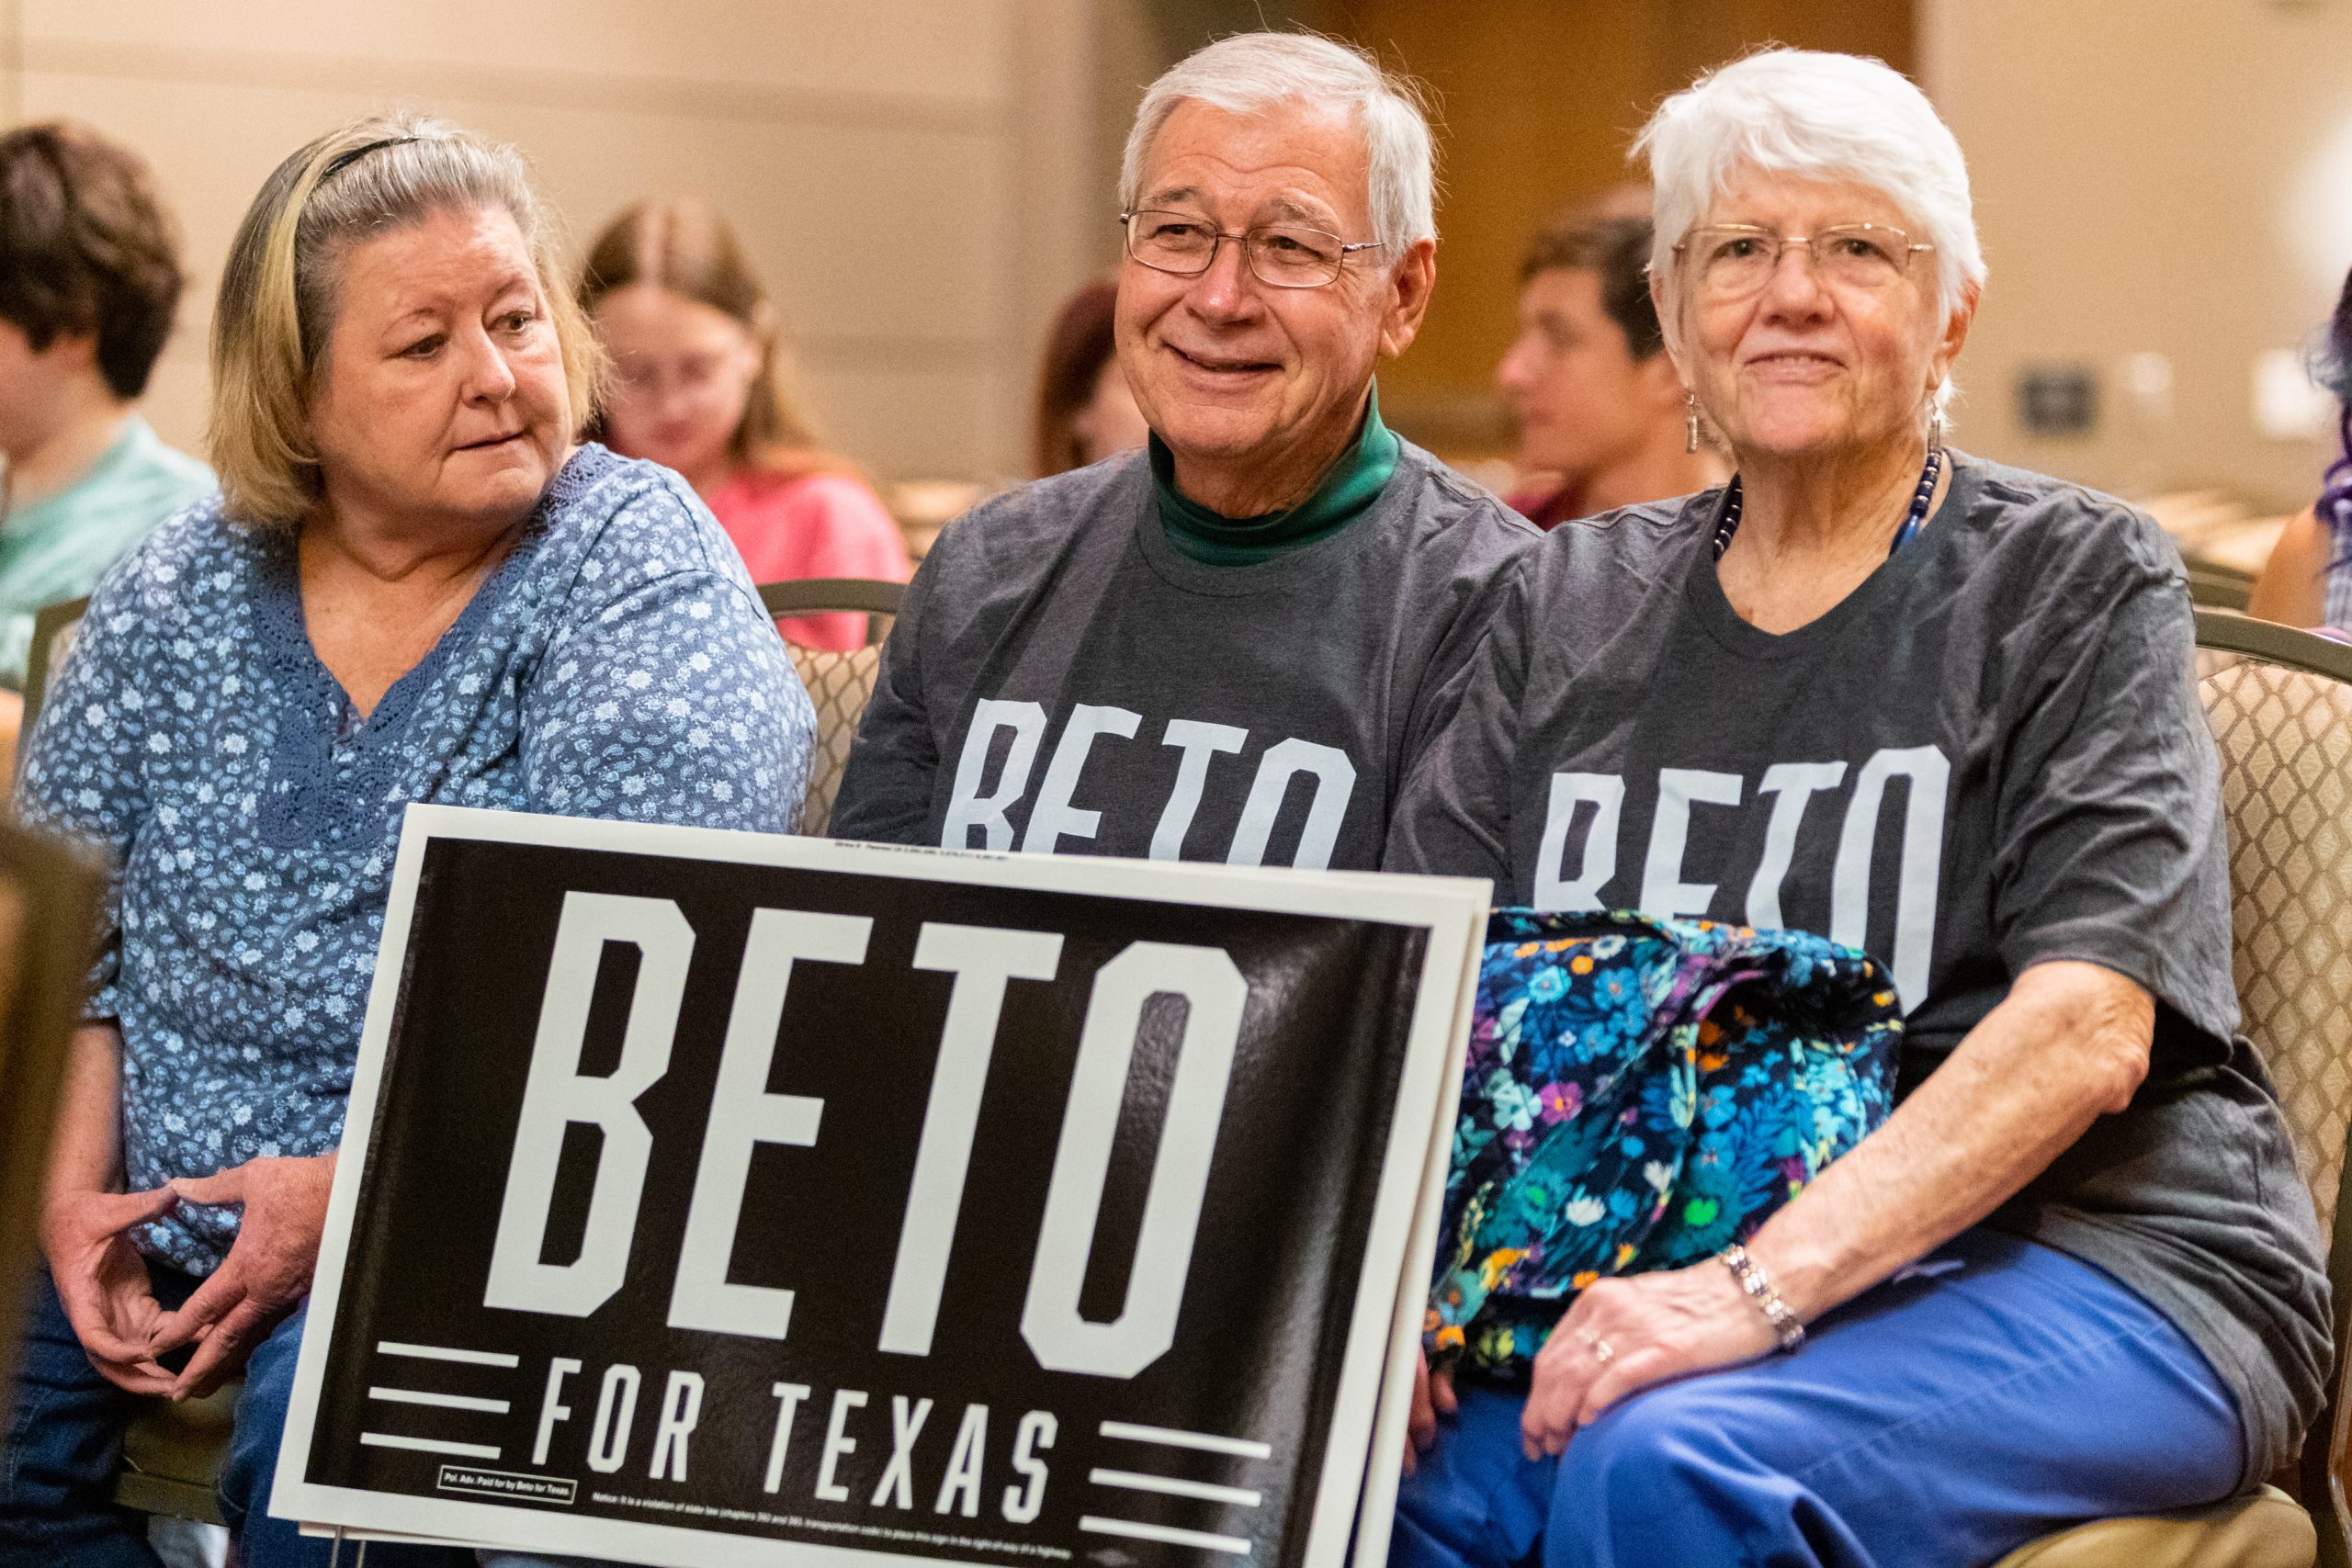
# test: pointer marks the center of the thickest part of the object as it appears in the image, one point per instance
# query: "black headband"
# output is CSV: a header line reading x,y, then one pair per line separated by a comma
x,y
343,161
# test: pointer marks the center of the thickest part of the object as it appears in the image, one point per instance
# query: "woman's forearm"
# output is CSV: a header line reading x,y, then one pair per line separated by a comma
x,y
12,721
2068,1044
85,1154
2289,589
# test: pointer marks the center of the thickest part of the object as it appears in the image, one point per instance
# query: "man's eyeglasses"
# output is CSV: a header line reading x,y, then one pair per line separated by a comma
x,y
1286,255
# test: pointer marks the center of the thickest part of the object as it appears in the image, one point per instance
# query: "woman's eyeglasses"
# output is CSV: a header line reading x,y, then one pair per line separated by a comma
x,y
1735,260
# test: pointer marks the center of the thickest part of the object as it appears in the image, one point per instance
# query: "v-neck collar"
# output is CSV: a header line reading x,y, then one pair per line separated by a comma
x,y
328,776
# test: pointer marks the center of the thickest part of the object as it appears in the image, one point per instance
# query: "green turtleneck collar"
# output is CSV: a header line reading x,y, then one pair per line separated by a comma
x,y
1348,490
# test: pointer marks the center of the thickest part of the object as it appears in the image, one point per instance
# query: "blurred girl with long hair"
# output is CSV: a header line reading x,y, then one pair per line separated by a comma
x,y
699,385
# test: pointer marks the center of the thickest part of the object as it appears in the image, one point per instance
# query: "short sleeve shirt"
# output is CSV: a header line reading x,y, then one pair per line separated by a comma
x,y
1989,755
617,664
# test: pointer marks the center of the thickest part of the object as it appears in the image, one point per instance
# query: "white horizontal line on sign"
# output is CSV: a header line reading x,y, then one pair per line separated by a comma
x,y
1168,1533
442,1401
443,1353
427,1445
1207,1441
1169,1485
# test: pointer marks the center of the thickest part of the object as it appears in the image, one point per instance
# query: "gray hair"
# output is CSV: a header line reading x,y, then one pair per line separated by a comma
x,y
1251,73
276,305
1820,116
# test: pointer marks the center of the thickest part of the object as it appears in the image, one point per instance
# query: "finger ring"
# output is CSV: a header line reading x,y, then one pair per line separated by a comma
x,y
1602,1352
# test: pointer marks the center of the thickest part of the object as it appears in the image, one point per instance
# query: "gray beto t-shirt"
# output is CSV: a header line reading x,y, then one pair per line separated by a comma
x,y
1060,680
1990,754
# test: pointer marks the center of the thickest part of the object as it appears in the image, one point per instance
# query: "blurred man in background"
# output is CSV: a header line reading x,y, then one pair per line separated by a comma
x,y
1603,420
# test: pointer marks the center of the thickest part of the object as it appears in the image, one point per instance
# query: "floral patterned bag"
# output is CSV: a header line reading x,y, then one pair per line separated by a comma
x,y
1640,1094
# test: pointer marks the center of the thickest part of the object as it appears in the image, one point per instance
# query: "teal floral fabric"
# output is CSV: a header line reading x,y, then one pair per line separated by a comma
x,y
1639,1094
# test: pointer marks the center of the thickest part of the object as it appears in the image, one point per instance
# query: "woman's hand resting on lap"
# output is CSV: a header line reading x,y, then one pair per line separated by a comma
x,y
1656,1327
102,1281
267,1271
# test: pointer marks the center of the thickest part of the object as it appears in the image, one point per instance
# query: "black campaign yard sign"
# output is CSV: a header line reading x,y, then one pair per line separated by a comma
x,y
726,1199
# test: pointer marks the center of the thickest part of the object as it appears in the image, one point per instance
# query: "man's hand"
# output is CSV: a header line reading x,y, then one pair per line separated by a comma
x,y
1432,1396
265,1275
102,1281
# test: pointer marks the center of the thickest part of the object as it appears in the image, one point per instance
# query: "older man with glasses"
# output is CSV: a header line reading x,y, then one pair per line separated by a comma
x,y
1230,647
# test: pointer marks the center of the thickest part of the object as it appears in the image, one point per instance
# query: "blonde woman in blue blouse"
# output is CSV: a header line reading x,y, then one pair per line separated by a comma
x,y
418,586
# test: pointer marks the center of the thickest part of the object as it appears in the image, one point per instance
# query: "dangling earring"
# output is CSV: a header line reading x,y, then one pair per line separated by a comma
x,y
1691,422
1935,429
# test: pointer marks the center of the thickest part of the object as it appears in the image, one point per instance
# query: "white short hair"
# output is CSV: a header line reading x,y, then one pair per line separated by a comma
x,y
1251,73
1818,116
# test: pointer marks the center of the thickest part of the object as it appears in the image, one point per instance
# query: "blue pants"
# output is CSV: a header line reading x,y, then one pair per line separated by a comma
x,y
65,1444
1944,1418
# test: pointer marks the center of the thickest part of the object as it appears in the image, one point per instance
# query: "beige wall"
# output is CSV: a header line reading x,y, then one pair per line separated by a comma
x,y
2151,175
915,176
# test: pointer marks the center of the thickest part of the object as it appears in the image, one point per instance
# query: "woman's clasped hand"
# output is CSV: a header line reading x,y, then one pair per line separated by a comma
x,y
110,1298
282,1208
102,1284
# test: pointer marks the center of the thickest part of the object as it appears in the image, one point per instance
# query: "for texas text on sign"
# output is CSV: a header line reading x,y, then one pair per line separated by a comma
x,y
706,1192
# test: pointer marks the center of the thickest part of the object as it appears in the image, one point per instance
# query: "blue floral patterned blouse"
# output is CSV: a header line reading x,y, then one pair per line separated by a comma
x,y
617,664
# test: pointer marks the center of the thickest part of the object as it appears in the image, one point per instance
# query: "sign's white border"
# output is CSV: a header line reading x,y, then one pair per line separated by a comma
x,y
1376,1366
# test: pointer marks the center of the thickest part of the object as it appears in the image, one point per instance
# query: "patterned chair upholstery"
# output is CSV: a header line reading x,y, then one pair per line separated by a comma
x,y
2280,705
839,684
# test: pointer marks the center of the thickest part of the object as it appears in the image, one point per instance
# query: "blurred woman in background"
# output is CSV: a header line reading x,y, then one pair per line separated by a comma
x,y
697,387
1085,412
2308,580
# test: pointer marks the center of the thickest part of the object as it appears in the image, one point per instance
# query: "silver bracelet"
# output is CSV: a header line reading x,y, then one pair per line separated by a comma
x,y
1757,1286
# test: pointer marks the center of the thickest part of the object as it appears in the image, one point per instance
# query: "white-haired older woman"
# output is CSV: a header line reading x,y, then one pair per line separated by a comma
x,y
1940,710
417,586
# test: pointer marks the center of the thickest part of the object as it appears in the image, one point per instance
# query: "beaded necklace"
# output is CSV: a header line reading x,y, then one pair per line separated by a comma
x,y
1912,521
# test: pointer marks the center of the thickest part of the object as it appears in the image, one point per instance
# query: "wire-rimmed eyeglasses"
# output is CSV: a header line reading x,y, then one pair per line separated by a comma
x,y
1735,260
1286,255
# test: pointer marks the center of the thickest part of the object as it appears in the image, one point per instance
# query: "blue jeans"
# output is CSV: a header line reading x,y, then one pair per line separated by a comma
x,y
65,1444
1943,1418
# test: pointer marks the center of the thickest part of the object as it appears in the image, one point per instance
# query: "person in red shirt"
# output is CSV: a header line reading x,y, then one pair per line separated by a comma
x,y
1602,412
699,386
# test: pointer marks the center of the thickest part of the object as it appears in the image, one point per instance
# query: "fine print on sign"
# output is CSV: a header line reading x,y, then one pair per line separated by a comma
x,y
726,1199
